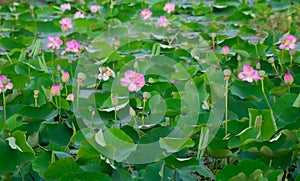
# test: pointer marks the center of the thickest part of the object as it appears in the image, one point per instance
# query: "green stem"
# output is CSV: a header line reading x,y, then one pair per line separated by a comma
x,y
35,102
8,57
273,65
263,91
291,60
98,85
56,104
143,112
116,122
71,69
226,107
77,97
66,88
280,60
4,110
52,61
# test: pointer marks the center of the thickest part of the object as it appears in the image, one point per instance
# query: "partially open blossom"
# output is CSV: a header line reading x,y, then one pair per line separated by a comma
x,y
65,6
70,97
288,42
288,78
5,84
65,77
134,81
95,8
66,23
105,73
78,15
225,50
73,46
248,74
146,14
55,90
169,7
163,21
54,42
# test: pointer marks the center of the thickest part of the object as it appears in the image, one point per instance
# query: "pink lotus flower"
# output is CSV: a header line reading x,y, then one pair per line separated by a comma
x,y
54,42
95,8
55,90
169,7
225,50
288,42
65,7
73,46
65,77
66,23
248,74
78,15
134,81
70,97
146,14
105,73
5,84
163,21
288,78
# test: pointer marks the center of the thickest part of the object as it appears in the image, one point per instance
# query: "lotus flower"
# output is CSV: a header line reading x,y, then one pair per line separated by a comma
x,y
134,81
5,84
248,74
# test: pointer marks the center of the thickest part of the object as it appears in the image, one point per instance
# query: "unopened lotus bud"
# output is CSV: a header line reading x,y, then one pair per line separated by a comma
x,y
239,58
58,67
288,78
146,95
271,60
132,112
4,81
227,72
36,94
225,50
261,74
70,97
257,65
81,76
65,77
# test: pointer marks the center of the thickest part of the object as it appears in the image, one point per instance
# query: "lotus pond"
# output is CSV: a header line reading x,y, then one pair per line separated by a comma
x,y
149,90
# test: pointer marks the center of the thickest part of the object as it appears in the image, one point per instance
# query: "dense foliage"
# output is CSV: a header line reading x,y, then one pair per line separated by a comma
x,y
149,90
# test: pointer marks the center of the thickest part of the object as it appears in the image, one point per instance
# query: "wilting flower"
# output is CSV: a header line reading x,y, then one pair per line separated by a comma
x,y
288,42
55,90
78,15
288,78
73,46
5,84
54,42
225,50
163,21
95,8
169,7
66,23
70,97
134,81
248,74
105,73
65,6
65,77
146,14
